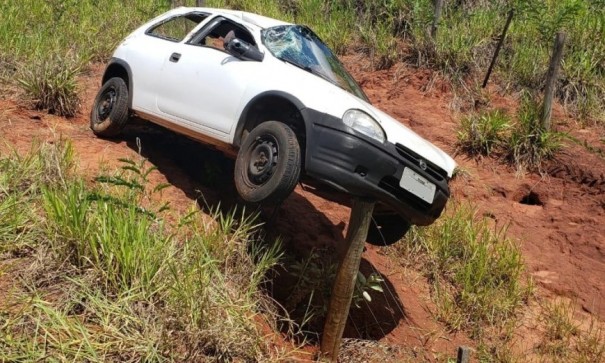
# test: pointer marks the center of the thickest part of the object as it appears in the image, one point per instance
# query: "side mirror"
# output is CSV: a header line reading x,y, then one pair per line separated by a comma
x,y
244,50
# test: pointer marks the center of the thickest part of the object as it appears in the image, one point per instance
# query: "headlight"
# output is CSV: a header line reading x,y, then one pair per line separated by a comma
x,y
364,124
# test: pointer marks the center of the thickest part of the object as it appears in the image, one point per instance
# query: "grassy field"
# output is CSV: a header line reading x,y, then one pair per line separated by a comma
x,y
100,274
94,285
64,36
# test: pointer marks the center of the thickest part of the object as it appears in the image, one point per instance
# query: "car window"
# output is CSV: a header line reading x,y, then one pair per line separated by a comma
x,y
222,30
176,29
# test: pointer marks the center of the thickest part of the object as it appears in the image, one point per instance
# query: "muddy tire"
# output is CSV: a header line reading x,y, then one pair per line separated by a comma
x,y
386,229
268,163
110,111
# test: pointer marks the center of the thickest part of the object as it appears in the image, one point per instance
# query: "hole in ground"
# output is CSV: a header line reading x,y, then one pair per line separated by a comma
x,y
531,198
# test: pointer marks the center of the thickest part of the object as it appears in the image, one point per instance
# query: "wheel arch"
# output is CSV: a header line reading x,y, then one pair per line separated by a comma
x,y
119,68
273,106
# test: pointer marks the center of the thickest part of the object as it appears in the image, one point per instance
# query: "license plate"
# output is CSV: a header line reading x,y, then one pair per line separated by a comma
x,y
417,185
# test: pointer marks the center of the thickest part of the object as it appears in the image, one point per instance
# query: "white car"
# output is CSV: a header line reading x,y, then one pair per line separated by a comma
x,y
275,97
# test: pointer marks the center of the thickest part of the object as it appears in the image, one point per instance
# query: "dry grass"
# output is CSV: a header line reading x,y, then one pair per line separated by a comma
x,y
104,279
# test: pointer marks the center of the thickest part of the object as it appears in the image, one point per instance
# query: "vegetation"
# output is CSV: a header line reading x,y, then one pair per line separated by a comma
x,y
564,338
100,276
308,296
484,133
75,32
475,271
523,142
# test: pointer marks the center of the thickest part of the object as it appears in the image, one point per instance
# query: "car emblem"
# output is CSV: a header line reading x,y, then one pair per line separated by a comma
x,y
422,164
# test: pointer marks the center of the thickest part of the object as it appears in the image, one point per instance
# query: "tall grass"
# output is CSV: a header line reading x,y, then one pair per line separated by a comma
x,y
109,279
523,142
529,144
21,180
476,273
386,30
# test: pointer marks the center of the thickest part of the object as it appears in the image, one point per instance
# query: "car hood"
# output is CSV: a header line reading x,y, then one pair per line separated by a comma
x,y
396,133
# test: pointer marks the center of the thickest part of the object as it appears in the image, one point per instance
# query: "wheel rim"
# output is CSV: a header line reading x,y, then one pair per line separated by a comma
x,y
106,103
263,158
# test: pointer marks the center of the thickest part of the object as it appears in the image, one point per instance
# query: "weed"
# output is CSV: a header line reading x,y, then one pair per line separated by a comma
x,y
590,346
41,330
564,338
21,180
215,284
51,85
118,283
525,143
529,145
309,295
482,134
475,270
560,328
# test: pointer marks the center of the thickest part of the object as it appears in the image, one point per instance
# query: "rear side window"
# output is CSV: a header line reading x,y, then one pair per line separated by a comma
x,y
176,29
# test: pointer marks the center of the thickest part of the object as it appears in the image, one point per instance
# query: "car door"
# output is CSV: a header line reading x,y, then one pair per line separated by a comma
x,y
145,54
201,83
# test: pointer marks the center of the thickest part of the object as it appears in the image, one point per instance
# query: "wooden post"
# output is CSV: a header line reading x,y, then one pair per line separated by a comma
x,y
344,283
464,355
551,79
200,3
436,17
491,65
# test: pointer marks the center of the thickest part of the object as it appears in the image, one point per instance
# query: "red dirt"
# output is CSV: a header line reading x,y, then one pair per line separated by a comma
x,y
561,230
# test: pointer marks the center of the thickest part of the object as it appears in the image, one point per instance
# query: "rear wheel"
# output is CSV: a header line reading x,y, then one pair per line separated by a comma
x,y
268,163
110,109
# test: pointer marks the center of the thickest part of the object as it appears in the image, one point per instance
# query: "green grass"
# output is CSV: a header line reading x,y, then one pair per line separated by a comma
x,y
529,145
523,141
482,134
104,275
564,338
386,30
475,271
21,180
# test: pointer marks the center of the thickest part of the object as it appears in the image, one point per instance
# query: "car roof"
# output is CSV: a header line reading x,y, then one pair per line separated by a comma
x,y
259,21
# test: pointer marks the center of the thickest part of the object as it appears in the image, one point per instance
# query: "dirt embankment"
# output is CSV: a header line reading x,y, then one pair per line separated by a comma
x,y
558,217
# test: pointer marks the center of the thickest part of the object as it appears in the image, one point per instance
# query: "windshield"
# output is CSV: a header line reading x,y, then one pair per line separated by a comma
x,y
299,46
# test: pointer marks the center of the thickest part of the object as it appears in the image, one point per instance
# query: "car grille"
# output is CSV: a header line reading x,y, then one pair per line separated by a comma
x,y
433,170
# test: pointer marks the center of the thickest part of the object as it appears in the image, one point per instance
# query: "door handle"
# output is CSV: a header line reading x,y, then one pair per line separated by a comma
x,y
174,57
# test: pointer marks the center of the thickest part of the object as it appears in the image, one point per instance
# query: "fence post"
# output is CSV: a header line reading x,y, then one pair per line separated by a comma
x,y
500,42
436,17
551,79
344,283
464,355
200,3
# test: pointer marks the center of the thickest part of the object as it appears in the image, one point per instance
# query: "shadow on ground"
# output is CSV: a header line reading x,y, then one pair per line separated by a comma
x,y
206,175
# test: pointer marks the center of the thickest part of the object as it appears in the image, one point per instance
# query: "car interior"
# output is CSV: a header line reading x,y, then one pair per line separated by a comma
x,y
220,33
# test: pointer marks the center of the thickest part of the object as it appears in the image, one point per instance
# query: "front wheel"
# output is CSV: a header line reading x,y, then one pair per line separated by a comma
x,y
268,163
110,109
386,229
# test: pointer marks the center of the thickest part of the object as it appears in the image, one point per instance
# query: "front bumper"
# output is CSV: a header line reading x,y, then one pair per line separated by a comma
x,y
351,163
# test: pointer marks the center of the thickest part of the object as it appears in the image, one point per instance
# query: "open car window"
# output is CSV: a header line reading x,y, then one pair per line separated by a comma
x,y
175,29
217,32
